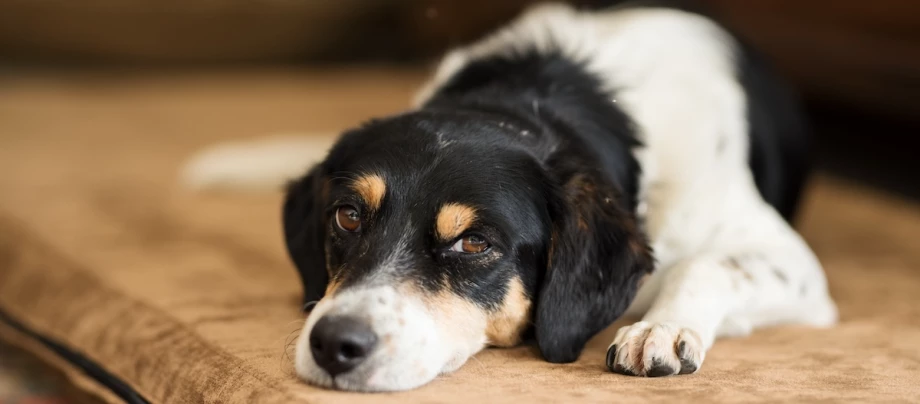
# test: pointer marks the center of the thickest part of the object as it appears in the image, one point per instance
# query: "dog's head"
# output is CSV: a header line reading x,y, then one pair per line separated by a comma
x,y
427,236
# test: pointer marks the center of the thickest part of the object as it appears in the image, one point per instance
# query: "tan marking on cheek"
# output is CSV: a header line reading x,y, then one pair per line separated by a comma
x,y
453,220
506,325
460,321
371,188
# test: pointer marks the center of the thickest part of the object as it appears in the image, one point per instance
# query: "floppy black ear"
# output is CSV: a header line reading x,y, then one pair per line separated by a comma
x,y
596,258
304,225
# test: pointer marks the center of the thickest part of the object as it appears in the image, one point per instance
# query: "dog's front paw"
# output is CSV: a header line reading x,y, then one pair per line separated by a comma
x,y
654,350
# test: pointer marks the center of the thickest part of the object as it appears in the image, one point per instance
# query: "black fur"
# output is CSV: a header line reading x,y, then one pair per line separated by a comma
x,y
536,145
779,142
489,171
542,153
303,224
598,254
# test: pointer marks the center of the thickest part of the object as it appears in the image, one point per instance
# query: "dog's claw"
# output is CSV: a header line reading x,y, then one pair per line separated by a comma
x,y
655,350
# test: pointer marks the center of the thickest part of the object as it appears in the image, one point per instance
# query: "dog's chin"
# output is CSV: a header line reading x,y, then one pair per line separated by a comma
x,y
369,378
368,382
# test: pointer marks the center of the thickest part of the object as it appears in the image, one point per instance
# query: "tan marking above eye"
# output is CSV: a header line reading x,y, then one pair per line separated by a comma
x,y
453,219
371,188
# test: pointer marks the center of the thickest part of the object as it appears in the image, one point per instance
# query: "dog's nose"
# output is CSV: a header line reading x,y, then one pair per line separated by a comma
x,y
340,344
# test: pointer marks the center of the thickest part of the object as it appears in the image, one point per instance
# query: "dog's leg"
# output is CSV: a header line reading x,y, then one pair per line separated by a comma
x,y
772,278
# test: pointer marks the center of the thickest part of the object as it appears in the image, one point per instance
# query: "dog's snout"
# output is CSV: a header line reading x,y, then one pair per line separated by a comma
x,y
340,344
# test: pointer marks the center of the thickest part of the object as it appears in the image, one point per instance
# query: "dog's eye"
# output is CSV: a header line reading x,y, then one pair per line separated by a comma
x,y
471,244
348,219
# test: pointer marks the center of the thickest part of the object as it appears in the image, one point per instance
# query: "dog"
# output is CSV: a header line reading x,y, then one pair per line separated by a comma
x,y
571,168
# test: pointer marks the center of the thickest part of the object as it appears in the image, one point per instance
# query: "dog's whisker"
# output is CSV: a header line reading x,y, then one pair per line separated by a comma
x,y
290,340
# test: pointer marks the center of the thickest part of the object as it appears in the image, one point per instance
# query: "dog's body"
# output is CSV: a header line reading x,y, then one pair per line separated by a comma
x,y
545,173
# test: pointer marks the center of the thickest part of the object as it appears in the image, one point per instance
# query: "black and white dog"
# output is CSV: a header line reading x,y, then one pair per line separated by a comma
x,y
566,170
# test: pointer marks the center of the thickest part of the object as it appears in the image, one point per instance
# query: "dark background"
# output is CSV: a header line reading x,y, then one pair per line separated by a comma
x,y
856,63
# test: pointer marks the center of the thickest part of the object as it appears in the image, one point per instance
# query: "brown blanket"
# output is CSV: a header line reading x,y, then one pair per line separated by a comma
x,y
189,297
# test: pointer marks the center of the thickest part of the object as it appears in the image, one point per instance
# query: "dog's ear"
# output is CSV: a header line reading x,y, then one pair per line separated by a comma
x,y
595,261
304,225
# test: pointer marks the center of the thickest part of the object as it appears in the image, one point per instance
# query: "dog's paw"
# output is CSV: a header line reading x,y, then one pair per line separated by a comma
x,y
654,350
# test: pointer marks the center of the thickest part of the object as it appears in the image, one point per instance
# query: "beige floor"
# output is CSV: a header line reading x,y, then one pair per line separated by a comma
x,y
189,297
